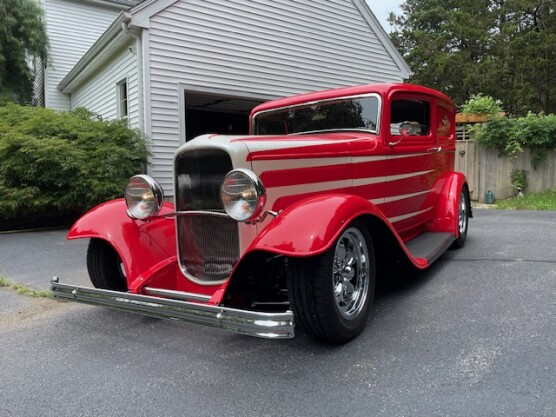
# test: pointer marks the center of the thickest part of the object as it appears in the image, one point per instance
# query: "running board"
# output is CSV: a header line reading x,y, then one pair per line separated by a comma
x,y
430,245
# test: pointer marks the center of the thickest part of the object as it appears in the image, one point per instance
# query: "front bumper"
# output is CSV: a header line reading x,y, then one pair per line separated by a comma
x,y
252,323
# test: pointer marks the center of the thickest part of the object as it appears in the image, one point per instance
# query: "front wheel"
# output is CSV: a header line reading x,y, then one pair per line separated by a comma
x,y
331,294
105,266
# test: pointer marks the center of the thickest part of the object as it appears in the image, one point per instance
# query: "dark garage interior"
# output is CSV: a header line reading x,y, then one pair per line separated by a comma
x,y
211,113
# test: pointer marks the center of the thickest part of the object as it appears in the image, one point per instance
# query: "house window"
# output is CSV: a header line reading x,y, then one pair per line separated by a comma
x,y
122,99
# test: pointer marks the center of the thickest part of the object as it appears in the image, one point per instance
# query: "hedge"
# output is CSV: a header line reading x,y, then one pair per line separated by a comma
x,y
54,163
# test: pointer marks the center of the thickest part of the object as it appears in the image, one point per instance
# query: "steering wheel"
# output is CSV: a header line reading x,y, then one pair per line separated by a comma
x,y
408,128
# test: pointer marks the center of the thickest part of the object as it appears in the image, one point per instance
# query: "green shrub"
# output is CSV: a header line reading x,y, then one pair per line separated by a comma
x,y
519,180
511,135
480,104
55,163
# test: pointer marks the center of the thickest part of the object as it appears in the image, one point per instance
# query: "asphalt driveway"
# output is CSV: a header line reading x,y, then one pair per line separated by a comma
x,y
32,258
475,335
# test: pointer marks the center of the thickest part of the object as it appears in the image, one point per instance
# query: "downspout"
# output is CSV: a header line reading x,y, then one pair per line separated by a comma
x,y
140,80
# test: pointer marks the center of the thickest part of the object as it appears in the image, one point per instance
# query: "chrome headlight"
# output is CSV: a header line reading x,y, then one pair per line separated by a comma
x,y
143,196
243,195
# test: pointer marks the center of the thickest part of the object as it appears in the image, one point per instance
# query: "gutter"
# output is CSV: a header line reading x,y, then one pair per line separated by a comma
x,y
90,60
120,4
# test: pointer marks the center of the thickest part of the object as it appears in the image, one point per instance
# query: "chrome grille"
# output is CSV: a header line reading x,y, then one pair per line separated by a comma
x,y
208,246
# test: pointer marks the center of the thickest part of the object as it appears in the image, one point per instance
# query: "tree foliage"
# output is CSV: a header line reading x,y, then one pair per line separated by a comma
x,y
481,104
63,162
22,38
511,135
501,48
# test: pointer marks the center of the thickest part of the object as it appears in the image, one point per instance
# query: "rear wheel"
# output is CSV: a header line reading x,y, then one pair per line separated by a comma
x,y
330,294
463,219
105,266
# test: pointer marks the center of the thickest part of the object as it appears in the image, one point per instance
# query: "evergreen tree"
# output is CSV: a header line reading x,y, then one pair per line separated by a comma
x,y
22,39
502,48
528,38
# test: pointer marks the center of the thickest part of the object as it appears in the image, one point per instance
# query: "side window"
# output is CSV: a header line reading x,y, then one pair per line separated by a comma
x,y
413,114
122,99
444,129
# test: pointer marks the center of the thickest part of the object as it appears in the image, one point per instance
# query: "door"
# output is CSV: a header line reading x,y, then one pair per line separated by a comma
x,y
412,163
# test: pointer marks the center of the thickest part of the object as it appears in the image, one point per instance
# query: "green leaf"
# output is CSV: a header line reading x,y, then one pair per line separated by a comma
x,y
56,162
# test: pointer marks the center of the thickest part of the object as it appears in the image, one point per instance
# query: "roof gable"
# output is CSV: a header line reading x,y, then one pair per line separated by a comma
x,y
142,12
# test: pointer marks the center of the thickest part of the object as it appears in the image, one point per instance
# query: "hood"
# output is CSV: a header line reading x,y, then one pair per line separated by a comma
x,y
292,167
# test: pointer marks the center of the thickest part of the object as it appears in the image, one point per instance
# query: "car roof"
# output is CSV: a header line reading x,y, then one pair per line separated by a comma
x,y
384,89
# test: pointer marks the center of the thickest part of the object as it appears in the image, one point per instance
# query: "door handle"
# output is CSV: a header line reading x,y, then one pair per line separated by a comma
x,y
437,149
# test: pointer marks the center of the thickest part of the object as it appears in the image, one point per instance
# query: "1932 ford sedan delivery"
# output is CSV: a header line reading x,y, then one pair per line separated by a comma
x,y
286,225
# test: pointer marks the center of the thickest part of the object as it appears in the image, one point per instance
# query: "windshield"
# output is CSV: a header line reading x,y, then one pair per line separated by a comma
x,y
347,113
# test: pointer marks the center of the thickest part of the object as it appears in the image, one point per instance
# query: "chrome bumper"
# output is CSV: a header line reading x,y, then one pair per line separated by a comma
x,y
252,323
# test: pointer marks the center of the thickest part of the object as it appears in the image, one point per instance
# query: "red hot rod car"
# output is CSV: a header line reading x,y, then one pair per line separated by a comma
x,y
286,225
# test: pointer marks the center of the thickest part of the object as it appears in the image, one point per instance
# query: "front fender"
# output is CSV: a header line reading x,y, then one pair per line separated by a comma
x,y
310,226
141,245
306,228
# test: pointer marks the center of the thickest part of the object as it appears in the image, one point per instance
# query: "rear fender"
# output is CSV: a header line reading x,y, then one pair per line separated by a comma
x,y
143,246
447,193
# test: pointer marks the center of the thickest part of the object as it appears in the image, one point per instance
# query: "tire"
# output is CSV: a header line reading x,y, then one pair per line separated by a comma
x,y
105,267
331,294
463,219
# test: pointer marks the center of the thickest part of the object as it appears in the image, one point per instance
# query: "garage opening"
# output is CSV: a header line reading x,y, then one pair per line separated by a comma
x,y
213,113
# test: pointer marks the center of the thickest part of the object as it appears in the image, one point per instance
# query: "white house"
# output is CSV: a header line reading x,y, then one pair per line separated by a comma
x,y
72,27
179,68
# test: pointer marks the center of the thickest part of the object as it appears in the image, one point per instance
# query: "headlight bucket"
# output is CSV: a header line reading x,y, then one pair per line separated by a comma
x,y
143,196
242,194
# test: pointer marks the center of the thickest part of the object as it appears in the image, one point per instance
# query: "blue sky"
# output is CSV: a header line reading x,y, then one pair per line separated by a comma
x,y
381,9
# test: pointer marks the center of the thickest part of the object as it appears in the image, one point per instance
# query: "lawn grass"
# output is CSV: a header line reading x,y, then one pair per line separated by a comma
x,y
540,201
23,290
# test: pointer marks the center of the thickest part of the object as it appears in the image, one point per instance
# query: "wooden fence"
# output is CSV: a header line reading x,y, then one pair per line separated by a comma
x,y
486,170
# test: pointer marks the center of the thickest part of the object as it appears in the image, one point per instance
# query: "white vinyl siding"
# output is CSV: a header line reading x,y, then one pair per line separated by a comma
x,y
72,28
258,48
37,64
38,82
100,93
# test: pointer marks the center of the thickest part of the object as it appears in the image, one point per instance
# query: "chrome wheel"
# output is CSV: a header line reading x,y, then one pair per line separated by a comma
x,y
350,273
331,293
463,213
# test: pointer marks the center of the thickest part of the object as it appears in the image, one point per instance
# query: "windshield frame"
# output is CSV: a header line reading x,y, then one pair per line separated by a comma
x,y
314,102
